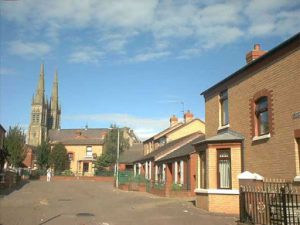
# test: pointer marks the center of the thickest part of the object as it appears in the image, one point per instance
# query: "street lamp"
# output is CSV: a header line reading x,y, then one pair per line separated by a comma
x,y
118,153
117,161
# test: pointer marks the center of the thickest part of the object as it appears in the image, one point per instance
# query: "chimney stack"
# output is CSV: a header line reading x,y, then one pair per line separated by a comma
x,y
255,53
188,116
173,121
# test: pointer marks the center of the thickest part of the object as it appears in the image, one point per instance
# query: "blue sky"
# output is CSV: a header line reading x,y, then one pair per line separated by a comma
x,y
130,62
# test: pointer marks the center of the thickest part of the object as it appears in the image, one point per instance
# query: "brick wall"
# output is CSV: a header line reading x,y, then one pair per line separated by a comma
x,y
216,203
228,204
277,156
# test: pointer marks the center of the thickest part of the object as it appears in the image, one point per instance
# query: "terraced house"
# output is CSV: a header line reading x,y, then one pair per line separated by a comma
x,y
252,124
177,170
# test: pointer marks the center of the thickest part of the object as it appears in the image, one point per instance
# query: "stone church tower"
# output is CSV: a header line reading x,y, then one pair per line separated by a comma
x,y
44,115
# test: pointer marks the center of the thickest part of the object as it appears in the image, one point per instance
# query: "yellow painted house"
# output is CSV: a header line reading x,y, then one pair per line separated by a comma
x,y
83,147
176,130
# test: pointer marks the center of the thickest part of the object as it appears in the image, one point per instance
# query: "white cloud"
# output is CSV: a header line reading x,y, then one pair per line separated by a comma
x,y
7,71
144,127
28,49
149,56
276,17
178,28
85,54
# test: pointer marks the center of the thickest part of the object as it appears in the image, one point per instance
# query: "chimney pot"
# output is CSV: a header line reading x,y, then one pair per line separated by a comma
x,y
188,116
255,53
256,47
173,121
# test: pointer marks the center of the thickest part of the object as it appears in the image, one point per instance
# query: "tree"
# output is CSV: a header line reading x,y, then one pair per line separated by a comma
x,y
109,156
59,158
43,155
15,145
3,157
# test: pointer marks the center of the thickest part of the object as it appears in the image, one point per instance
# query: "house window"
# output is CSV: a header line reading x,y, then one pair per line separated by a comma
x,y
224,169
71,156
224,108
89,151
262,115
162,141
202,170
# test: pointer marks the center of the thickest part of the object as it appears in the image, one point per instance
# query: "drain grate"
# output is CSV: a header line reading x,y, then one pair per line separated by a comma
x,y
85,214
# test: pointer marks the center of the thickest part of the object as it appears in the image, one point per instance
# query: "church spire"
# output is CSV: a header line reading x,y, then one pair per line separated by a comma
x,y
40,91
54,117
54,96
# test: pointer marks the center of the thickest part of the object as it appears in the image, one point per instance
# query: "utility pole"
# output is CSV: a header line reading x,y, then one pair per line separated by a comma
x,y
118,153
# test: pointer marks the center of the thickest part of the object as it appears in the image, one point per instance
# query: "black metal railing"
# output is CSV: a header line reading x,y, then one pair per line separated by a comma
x,y
270,206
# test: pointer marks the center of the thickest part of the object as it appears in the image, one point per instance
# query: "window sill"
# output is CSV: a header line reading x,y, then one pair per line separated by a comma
x,y
297,179
262,137
217,191
223,127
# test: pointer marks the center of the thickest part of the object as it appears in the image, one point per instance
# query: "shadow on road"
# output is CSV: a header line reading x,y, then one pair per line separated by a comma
x,y
9,190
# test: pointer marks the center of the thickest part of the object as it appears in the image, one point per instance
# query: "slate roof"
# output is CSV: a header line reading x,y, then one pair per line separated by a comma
x,y
78,136
178,127
182,151
223,136
164,132
168,147
132,154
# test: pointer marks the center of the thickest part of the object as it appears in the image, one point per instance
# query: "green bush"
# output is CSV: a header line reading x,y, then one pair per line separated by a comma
x,y
26,173
176,187
35,174
67,173
104,173
159,186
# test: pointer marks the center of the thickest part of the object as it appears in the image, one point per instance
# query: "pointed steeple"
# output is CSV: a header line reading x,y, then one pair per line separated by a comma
x,y
40,91
54,96
54,116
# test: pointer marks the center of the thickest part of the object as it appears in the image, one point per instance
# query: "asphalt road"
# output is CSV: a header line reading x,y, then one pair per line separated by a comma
x,y
96,203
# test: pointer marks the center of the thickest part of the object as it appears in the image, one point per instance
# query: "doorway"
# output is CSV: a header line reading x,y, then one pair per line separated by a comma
x,y
85,167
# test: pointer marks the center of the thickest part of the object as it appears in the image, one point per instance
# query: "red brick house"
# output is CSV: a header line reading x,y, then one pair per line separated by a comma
x,y
171,166
252,124
179,167
30,156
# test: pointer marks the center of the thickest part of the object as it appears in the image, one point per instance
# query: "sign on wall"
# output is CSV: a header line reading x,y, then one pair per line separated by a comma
x,y
296,115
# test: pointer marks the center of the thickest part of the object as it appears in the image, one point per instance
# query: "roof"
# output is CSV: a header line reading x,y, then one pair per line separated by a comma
x,y
78,136
294,39
2,128
185,150
224,136
132,154
169,147
178,127
164,132
172,129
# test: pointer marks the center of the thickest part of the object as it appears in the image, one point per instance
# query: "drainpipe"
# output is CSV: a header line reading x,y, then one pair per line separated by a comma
x,y
242,156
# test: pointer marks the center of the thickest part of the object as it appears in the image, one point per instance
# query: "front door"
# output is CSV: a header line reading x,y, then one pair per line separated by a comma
x,y
85,167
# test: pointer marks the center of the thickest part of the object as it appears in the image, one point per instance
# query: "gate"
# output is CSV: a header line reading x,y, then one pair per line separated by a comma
x,y
270,205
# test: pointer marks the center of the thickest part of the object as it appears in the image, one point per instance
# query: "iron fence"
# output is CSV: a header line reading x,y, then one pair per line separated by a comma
x,y
270,204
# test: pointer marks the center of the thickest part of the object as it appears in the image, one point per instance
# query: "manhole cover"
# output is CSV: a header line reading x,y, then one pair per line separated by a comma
x,y
85,214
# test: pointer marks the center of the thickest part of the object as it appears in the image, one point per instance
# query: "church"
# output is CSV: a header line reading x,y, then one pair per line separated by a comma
x,y
45,115
83,145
